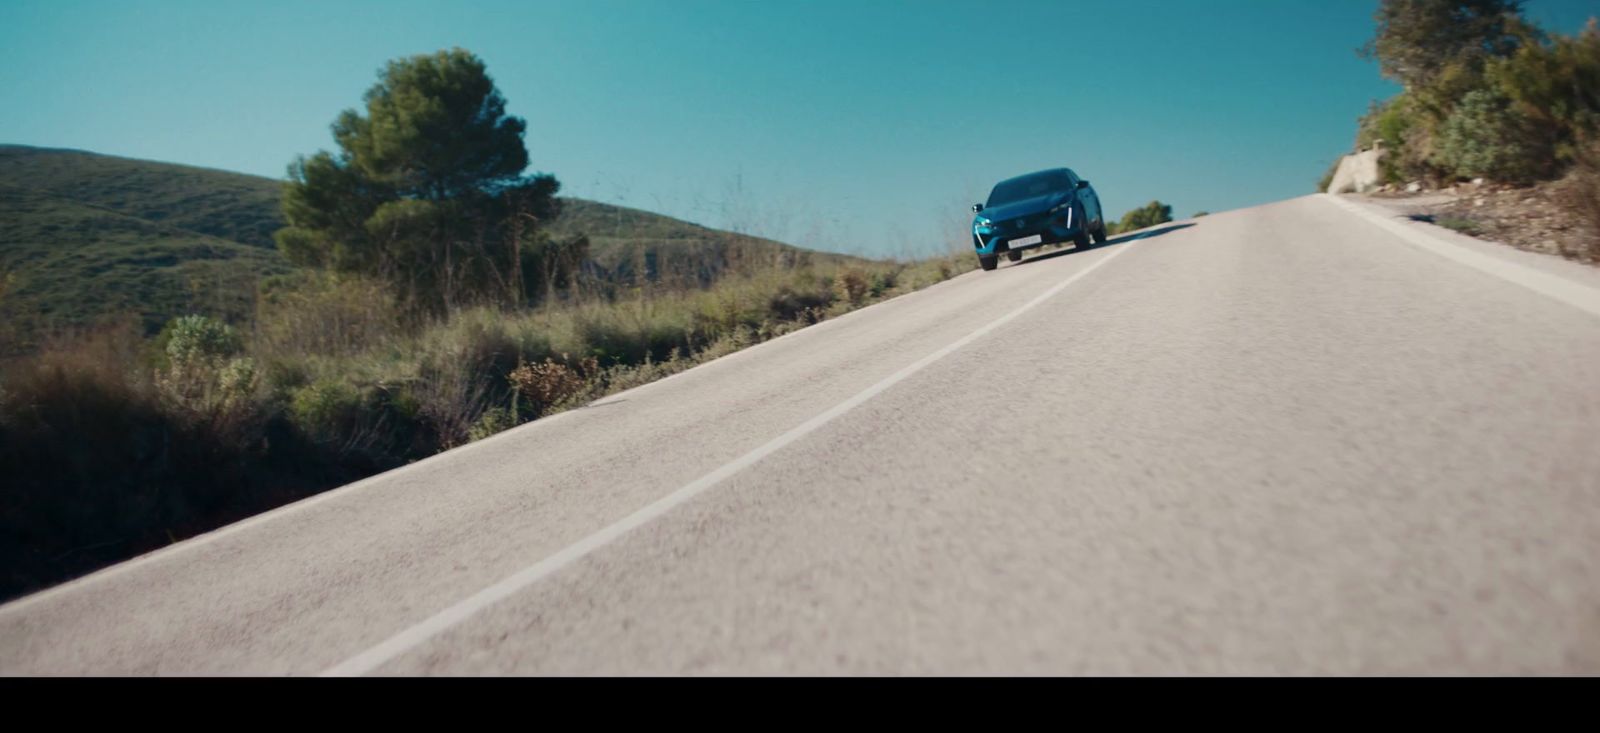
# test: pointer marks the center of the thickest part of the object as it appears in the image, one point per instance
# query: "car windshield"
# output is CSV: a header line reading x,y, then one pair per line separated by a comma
x,y
1027,187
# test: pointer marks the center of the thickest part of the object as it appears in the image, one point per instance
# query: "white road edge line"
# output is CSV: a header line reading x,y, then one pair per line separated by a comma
x,y
420,633
1577,295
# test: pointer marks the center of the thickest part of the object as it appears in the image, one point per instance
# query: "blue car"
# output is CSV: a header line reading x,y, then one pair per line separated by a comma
x,y
1048,207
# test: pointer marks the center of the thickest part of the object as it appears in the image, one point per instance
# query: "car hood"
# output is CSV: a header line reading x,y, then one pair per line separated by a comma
x,y
1025,207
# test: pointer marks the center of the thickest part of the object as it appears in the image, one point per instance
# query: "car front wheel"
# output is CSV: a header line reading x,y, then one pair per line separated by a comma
x,y
1014,255
988,262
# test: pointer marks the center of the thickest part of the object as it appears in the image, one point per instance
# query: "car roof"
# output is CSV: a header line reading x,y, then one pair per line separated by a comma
x,y
1035,173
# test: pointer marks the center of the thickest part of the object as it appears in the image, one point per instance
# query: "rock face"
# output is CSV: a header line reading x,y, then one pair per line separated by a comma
x,y
1358,172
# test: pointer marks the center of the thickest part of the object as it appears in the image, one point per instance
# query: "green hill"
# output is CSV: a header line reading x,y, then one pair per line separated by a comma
x,y
84,236
232,206
67,261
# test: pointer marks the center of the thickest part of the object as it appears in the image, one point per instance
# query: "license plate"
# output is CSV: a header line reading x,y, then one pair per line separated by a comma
x,y
1025,241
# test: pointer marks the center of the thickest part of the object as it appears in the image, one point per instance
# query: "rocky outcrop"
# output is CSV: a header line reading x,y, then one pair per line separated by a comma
x,y
1358,173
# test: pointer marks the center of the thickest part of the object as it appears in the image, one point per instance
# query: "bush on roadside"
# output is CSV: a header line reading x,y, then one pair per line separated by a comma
x,y
547,384
450,398
1486,136
327,411
99,464
1145,216
206,382
494,420
789,303
852,286
313,313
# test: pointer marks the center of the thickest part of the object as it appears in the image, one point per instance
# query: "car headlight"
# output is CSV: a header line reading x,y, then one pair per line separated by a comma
x,y
983,223
1061,207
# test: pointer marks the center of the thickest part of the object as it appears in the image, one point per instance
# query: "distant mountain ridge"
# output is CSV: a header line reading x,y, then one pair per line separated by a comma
x,y
85,235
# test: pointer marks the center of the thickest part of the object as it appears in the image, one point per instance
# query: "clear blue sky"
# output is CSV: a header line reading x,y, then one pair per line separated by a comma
x,y
852,125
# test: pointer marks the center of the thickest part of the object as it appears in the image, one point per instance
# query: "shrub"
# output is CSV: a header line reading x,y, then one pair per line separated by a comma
x,y
550,383
882,281
77,388
97,465
322,314
1405,133
493,420
351,425
611,380
789,303
325,410
1487,137
477,340
918,275
852,286
1465,226
205,384
630,333
450,398
1148,215
192,339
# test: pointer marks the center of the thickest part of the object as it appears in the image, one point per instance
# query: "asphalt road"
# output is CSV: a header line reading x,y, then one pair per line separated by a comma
x,y
1287,440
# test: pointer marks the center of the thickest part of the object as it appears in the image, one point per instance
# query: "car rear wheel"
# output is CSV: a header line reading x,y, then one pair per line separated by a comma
x,y
1014,255
988,262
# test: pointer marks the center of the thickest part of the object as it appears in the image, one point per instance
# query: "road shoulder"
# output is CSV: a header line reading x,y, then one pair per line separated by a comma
x,y
1569,282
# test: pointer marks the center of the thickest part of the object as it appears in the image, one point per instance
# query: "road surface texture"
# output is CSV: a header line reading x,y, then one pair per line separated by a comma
x,y
1298,439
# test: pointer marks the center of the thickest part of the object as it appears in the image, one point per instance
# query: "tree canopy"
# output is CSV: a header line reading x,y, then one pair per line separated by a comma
x,y
427,191
1487,93
1419,41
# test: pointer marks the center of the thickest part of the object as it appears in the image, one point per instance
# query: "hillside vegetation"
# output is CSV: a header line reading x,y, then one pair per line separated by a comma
x,y
68,264
189,347
1487,95
153,241
1148,215
231,206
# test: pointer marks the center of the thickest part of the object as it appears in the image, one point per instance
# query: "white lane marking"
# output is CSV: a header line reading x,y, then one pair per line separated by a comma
x,y
1574,294
420,633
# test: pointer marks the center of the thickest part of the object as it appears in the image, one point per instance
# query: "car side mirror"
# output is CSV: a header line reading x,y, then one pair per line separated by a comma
x,y
977,208
1083,184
